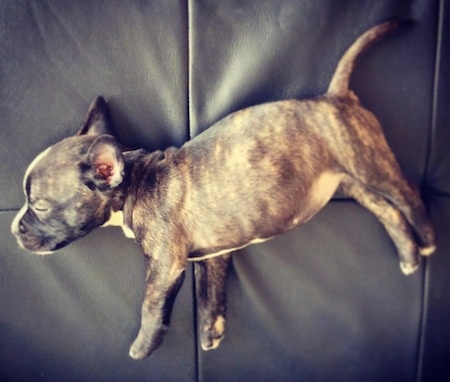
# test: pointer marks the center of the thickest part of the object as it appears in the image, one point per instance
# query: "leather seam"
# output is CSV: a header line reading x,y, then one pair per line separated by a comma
x,y
426,275
190,136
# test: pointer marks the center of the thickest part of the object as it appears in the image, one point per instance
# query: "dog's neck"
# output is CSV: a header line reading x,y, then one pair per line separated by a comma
x,y
125,195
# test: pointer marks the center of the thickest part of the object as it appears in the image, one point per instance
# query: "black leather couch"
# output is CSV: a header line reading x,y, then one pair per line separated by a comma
x,y
325,302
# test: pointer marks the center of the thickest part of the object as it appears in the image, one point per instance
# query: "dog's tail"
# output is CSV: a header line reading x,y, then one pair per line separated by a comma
x,y
339,85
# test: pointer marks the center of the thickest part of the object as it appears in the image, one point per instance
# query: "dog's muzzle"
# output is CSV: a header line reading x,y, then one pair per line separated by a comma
x,y
28,236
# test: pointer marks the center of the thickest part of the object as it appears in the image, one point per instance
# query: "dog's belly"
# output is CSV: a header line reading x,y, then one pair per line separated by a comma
x,y
221,242
199,256
321,192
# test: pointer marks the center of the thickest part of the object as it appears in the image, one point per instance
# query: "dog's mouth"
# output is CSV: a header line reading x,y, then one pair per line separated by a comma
x,y
34,245
43,240
39,245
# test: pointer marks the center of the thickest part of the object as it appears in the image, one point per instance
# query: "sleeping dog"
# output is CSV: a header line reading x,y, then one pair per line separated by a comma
x,y
255,174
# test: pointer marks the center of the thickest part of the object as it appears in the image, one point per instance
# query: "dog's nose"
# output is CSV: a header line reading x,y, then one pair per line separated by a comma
x,y
18,226
22,228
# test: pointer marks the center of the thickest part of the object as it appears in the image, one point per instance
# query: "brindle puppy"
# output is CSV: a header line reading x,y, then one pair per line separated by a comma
x,y
255,174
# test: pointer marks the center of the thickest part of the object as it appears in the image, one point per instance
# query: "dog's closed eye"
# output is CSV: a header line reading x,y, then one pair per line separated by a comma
x,y
41,206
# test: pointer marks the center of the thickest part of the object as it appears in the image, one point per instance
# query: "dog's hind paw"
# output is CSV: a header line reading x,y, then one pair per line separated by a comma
x,y
427,251
212,335
408,268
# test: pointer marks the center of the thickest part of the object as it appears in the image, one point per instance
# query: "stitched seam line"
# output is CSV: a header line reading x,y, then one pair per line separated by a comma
x,y
423,320
189,68
435,93
426,277
190,134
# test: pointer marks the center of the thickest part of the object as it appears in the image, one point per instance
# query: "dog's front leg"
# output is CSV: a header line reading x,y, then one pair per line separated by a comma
x,y
210,278
163,284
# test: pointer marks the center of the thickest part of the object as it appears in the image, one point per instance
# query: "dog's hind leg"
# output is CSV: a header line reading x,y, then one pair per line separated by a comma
x,y
390,217
400,194
383,176
210,280
409,202
371,162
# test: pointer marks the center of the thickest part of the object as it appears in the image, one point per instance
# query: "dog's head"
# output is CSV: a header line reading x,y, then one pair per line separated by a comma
x,y
69,187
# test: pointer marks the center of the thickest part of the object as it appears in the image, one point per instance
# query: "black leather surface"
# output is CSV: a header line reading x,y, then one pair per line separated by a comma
x,y
324,302
435,349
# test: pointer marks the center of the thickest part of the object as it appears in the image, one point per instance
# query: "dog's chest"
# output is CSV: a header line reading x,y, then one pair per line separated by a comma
x,y
116,219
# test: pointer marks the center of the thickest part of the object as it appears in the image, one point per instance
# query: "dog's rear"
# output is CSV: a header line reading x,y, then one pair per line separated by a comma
x,y
296,154
373,176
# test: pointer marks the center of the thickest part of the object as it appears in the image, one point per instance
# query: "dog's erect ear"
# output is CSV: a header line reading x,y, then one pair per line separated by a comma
x,y
97,119
106,162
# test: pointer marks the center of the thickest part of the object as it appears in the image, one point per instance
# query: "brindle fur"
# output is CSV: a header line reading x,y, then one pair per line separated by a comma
x,y
255,174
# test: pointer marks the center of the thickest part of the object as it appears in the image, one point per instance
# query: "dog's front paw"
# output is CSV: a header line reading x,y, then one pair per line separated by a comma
x,y
144,345
139,350
212,334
